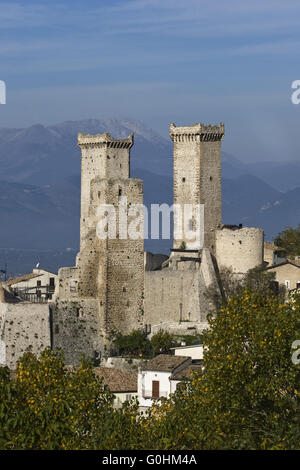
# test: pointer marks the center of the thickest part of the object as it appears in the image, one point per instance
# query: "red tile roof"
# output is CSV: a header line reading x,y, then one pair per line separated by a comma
x,y
26,277
118,380
165,362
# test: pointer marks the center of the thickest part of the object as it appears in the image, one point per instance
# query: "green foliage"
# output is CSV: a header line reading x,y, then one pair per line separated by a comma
x,y
256,280
134,344
46,406
289,240
246,397
189,340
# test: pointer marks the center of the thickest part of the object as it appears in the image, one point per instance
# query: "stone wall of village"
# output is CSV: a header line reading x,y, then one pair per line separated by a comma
x,y
24,327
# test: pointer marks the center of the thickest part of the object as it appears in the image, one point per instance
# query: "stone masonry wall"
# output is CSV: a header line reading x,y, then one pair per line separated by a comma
x,y
197,175
240,249
77,329
23,327
179,294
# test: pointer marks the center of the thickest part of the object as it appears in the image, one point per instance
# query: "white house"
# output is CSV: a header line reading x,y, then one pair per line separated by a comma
x,y
183,376
154,377
38,286
195,352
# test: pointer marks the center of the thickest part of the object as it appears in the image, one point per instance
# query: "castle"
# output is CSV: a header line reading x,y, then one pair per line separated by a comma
x,y
115,287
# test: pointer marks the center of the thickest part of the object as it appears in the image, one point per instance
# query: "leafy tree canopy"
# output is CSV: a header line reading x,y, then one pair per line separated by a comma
x,y
247,395
289,240
134,344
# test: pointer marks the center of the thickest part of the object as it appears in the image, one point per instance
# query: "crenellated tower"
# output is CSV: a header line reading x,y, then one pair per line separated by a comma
x,y
197,176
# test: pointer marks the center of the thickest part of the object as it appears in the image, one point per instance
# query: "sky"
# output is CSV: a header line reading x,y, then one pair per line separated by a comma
x,y
157,61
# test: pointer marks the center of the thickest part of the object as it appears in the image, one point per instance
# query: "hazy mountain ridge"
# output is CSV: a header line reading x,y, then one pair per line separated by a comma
x,y
38,154
48,216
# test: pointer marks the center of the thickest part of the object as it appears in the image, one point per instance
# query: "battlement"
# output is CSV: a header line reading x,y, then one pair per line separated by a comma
x,y
103,140
197,133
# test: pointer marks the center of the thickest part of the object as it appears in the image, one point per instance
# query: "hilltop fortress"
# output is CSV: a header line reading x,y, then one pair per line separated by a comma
x,y
115,287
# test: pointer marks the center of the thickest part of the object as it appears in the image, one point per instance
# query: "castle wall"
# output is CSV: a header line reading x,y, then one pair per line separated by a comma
x,y
23,327
240,249
166,296
178,293
77,329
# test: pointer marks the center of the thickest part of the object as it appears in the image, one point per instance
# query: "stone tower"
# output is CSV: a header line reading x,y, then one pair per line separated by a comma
x,y
197,176
111,269
104,292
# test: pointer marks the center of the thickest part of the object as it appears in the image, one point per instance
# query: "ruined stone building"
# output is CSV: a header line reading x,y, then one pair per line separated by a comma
x,y
115,286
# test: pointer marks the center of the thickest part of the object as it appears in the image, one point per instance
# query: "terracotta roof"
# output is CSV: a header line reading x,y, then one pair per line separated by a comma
x,y
165,362
118,380
185,374
26,277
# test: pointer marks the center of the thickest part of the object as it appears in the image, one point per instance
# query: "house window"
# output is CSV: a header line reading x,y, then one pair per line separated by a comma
x,y
39,283
155,389
287,284
128,397
52,281
183,180
298,285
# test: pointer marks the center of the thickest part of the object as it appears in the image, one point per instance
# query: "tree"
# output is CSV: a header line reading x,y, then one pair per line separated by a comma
x,y
247,396
162,342
256,279
134,344
49,406
289,240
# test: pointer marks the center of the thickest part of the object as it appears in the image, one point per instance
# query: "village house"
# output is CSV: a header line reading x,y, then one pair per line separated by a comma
x,y
287,274
154,377
122,383
38,286
184,375
195,352
273,254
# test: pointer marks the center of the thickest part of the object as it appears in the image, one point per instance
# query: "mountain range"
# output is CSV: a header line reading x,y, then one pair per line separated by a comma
x,y
40,186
